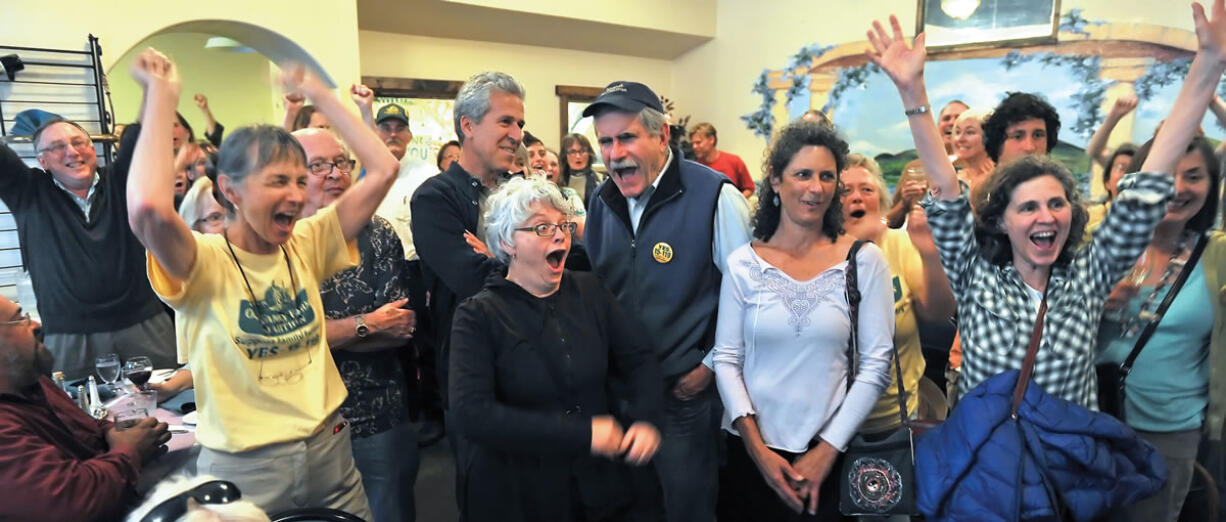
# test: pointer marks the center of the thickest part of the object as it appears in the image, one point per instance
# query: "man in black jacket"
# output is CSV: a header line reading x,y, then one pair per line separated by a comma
x,y
448,230
87,268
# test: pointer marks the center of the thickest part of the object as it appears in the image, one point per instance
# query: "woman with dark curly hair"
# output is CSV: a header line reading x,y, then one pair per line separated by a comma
x,y
781,339
577,170
1022,242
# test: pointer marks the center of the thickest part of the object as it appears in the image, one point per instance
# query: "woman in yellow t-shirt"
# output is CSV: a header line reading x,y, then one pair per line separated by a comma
x,y
248,314
920,288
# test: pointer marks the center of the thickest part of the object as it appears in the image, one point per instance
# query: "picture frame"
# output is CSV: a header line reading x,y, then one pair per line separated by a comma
x,y
952,25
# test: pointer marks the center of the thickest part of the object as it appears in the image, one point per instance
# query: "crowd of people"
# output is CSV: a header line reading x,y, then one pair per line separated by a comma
x,y
660,339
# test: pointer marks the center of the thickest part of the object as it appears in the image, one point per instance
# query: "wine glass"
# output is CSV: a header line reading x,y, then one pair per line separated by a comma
x,y
108,368
138,369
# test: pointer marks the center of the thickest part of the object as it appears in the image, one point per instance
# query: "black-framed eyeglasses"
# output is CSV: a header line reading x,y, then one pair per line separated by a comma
x,y
324,168
211,492
576,152
547,229
24,320
55,149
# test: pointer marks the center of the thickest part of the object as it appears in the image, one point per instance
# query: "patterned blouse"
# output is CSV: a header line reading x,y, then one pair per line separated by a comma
x,y
997,310
375,380
781,348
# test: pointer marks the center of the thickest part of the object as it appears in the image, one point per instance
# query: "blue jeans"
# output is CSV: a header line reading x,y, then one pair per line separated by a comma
x,y
687,461
388,463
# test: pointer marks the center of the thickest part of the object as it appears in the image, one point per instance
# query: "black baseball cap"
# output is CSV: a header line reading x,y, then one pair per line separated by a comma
x,y
391,111
627,96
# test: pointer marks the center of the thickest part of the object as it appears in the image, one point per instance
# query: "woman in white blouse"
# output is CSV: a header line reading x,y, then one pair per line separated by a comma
x,y
781,341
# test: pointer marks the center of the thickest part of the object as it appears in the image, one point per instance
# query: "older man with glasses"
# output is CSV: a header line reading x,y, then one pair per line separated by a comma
x,y
367,325
87,268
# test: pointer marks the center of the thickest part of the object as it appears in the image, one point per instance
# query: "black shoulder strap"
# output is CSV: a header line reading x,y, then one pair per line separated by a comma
x,y
1148,332
853,311
853,305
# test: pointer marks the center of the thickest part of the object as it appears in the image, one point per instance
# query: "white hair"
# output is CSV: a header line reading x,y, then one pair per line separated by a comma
x,y
237,511
191,209
512,204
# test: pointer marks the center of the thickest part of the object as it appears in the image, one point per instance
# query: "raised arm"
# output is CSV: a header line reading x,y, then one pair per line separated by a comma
x,y
905,66
1097,148
293,106
934,299
150,191
210,123
1195,94
356,206
1218,107
364,98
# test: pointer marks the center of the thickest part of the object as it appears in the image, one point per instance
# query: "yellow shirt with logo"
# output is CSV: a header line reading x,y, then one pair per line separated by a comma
x,y
907,272
263,374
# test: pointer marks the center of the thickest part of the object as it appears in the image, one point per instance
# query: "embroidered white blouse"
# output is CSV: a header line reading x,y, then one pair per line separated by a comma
x,y
781,348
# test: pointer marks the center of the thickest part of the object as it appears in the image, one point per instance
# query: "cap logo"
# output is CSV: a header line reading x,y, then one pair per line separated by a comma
x,y
617,87
393,109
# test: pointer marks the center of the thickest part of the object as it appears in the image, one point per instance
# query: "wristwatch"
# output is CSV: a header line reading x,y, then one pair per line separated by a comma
x,y
360,329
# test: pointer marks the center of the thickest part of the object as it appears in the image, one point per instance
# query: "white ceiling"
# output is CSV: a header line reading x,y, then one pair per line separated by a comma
x,y
529,22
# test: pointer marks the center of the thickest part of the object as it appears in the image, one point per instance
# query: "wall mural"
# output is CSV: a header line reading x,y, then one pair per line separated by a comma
x,y
1075,74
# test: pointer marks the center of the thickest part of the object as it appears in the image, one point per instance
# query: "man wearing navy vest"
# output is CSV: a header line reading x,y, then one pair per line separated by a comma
x,y
658,233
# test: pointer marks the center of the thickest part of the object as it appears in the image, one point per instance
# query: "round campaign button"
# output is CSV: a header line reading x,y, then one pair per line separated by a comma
x,y
662,252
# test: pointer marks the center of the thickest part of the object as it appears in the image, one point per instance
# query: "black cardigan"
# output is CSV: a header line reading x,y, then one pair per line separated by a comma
x,y
527,376
89,275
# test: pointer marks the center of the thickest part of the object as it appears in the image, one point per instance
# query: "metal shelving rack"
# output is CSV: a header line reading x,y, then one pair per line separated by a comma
x,y
68,82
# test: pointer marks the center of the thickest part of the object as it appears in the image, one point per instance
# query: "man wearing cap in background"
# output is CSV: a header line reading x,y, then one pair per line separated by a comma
x,y
87,268
658,233
391,123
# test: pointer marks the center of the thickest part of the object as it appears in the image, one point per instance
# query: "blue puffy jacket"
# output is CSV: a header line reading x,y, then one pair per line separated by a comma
x,y
984,465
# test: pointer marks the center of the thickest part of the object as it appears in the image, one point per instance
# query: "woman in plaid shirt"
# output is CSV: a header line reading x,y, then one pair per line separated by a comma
x,y
1023,237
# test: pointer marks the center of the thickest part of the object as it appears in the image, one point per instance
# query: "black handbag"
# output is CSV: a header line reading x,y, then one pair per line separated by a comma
x,y
877,477
1112,376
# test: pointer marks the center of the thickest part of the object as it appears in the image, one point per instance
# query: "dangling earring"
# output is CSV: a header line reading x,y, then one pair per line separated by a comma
x,y
776,200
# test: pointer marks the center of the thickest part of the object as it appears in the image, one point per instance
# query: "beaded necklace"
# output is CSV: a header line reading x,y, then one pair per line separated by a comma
x,y
1148,312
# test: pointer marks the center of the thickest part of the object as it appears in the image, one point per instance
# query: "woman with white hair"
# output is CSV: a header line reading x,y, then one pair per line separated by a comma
x,y
201,211
532,358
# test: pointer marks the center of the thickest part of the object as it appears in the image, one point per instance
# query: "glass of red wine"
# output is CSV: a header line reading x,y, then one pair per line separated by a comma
x,y
138,370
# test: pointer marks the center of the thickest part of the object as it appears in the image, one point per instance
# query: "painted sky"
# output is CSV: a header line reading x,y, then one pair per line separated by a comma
x,y
1152,111
871,117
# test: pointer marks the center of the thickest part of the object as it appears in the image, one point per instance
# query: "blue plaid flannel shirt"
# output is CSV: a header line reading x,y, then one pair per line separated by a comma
x,y
996,314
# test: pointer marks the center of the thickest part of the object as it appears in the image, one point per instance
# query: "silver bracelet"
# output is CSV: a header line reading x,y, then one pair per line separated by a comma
x,y
922,109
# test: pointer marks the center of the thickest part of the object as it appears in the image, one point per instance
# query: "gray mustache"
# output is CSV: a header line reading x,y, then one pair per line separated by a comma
x,y
623,164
